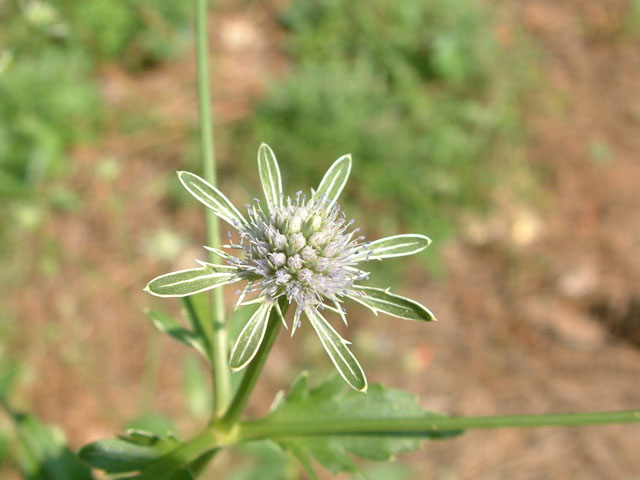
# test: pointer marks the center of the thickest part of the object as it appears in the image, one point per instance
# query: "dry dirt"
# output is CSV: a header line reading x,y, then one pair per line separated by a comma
x,y
540,311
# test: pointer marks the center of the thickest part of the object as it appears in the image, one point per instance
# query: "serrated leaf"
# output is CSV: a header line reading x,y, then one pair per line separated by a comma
x,y
189,282
379,300
334,180
301,454
332,403
395,246
213,198
340,355
270,177
250,338
166,324
41,452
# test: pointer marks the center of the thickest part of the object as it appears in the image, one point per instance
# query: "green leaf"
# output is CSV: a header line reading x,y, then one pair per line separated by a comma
x,y
212,198
336,347
262,460
250,338
188,282
334,180
270,177
116,455
129,453
331,403
41,452
396,246
166,324
379,300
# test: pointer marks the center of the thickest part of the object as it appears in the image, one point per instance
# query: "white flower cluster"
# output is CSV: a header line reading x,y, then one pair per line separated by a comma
x,y
302,250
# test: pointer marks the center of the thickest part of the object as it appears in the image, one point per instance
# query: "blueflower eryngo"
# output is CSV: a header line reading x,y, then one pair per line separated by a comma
x,y
302,249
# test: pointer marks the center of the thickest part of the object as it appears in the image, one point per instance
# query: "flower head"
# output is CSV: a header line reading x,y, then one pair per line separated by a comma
x,y
298,251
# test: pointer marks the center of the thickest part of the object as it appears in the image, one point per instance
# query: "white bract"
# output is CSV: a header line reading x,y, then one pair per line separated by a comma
x,y
301,249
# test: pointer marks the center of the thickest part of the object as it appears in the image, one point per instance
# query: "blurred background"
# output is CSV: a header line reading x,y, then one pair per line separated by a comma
x,y
506,131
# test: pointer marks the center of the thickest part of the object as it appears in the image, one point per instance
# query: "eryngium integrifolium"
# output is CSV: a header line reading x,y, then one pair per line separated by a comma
x,y
301,249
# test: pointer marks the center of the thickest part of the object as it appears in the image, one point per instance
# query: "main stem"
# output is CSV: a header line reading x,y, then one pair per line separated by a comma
x,y
218,435
218,342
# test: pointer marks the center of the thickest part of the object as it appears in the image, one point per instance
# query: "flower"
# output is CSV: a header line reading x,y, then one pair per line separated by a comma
x,y
297,251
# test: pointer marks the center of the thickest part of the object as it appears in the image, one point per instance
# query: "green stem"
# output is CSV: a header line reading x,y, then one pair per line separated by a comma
x,y
219,342
427,425
254,369
197,451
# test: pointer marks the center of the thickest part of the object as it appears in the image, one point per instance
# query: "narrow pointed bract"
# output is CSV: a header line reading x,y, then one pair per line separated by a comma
x,y
189,282
396,246
213,198
340,355
334,180
250,338
379,300
298,248
270,177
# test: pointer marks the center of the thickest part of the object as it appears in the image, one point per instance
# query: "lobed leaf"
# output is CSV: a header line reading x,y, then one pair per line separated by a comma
x,y
213,198
340,355
334,180
189,282
250,338
332,403
395,246
270,177
379,300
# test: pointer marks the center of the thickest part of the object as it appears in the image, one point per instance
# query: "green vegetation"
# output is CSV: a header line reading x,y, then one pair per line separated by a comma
x,y
425,95
49,96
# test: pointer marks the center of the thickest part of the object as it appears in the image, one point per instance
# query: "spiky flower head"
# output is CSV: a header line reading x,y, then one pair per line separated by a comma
x,y
297,251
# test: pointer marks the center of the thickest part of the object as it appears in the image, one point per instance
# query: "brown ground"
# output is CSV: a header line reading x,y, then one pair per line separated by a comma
x,y
527,310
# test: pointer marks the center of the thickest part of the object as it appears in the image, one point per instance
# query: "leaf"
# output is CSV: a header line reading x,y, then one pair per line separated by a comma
x,y
213,198
340,355
129,453
250,338
116,455
332,403
166,324
262,460
270,177
189,282
334,180
41,452
379,300
396,246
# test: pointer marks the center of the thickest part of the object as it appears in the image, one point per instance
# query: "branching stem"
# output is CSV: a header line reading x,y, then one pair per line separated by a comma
x,y
428,425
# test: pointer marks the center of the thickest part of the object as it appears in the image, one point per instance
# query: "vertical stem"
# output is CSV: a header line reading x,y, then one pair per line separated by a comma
x,y
219,345
255,368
